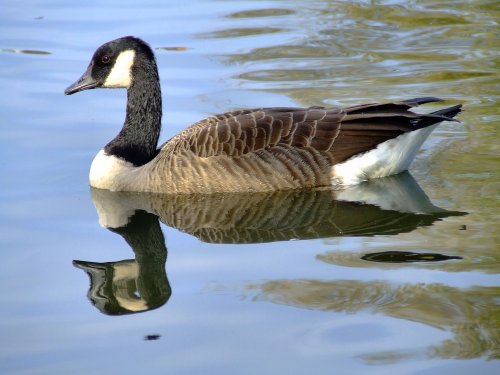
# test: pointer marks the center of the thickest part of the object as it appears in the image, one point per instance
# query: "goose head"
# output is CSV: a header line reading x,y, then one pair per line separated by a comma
x,y
115,64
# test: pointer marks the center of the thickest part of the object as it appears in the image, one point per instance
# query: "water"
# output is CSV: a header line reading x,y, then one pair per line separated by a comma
x,y
279,283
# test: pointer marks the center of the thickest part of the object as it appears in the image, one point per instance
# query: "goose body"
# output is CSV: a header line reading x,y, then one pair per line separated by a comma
x,y
261,149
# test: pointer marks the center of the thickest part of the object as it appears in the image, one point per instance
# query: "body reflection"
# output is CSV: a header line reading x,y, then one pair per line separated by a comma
x,y
386,206
389,205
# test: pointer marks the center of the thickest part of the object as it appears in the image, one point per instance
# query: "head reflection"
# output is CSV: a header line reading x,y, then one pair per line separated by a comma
x,y
132,285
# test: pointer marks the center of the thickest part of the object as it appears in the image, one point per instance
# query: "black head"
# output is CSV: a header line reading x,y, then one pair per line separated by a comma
x,y
113,65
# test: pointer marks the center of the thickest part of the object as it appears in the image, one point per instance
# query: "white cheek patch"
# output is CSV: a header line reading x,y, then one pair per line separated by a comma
x,y
121,75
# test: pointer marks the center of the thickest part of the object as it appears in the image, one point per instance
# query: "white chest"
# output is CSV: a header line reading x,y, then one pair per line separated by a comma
x,y
110,172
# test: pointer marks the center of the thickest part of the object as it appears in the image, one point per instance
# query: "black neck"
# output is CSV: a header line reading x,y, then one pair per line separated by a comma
x,y
138,139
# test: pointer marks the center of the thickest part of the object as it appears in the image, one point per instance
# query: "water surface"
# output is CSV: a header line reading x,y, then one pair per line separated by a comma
x,y
290,282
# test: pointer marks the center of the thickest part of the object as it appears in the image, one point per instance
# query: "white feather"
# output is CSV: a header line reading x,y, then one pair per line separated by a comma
x,y
110,172
121,75
388,158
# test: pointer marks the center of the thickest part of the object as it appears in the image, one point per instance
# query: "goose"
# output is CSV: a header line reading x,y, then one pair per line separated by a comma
x,y
247,150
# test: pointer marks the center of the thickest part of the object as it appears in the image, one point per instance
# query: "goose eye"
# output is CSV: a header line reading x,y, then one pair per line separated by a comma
x,y
105,59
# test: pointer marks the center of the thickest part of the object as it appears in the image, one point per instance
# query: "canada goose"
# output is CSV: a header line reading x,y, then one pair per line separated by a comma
x,y
260,149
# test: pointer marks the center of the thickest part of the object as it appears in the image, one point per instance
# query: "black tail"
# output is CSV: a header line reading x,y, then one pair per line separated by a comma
x,y
445,114
399,113
449,112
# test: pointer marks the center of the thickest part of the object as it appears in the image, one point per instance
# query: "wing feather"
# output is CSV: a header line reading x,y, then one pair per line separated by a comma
x,y
339,132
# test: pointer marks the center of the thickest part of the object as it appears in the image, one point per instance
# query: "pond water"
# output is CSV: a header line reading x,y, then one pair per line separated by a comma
x,y
288,283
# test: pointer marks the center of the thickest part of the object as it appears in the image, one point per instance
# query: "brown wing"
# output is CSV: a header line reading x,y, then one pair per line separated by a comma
x,y
340,132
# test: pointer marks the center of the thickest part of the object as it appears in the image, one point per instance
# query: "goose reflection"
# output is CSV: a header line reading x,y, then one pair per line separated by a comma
x,y
389,205
132,285
386,206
